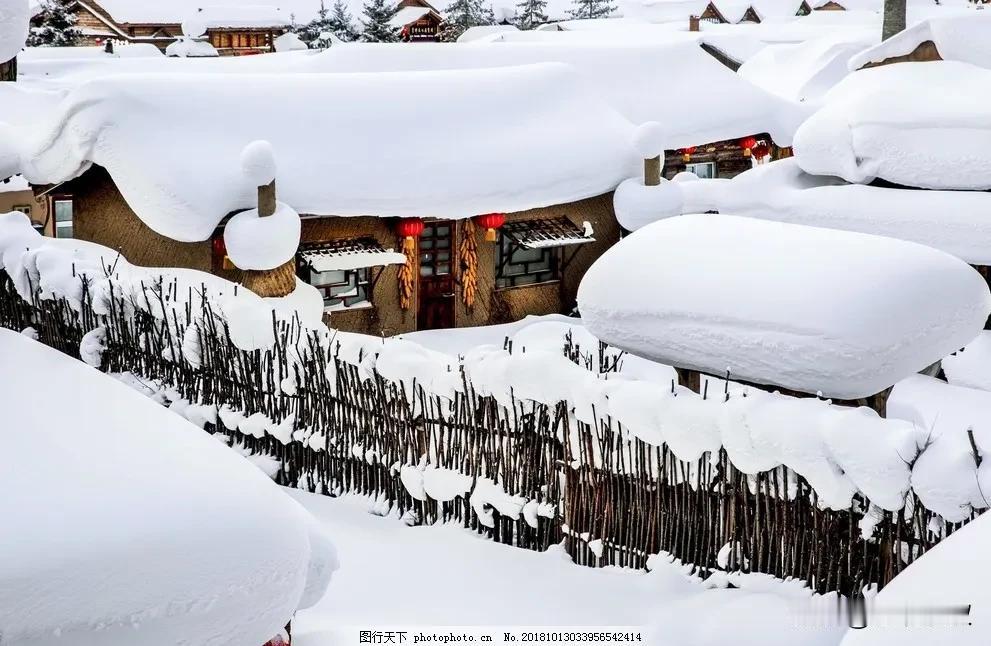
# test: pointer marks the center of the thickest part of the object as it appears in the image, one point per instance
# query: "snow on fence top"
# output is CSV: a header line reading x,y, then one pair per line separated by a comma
x,y
180,535
809,309
695,97
962,38
343,142
915,124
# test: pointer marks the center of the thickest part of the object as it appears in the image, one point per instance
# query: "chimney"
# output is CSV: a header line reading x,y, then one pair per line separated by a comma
x,y
266,199
693,23
652,171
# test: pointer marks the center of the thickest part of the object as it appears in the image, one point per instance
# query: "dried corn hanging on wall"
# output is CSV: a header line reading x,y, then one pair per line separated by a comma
x,y
468,256
407,273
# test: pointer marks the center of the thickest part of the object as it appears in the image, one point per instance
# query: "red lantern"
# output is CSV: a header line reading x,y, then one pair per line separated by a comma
x,y
409,228
747,144
761,150
490,222
686,153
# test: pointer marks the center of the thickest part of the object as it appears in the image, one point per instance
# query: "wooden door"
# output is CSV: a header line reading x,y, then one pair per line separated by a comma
x,y
436,298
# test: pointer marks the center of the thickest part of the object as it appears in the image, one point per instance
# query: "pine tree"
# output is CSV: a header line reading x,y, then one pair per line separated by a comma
x,y
342,23
463,14
530,14
377,14
591,9
57,26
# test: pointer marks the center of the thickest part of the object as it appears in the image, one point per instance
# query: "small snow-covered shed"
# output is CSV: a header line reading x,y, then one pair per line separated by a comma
x,y
359,181
137,527
963,37
806,309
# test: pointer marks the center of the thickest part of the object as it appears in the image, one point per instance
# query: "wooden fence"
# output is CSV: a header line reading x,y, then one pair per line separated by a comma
x,y
616,499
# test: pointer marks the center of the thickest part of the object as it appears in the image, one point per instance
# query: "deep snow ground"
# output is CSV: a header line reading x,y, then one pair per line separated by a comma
x,y
392,575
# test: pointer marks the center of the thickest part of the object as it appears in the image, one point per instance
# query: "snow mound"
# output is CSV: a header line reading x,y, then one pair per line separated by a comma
x,y
289,42
758,306
961,38
648,139
254,242
258,163
136,554
637,205
584,149
920,125
14,23
186,47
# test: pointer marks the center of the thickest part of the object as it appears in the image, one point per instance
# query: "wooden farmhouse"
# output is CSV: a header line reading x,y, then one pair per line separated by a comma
x,y
233,30
752,11
723,159
417,21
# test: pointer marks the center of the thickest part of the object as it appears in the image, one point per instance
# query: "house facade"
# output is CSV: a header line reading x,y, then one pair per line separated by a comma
x,y
723,159
417,21
533,266
240,35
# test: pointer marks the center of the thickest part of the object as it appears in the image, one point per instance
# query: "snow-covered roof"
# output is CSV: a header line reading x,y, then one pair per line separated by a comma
x,y
14,184
732,10
406,15
338,149
802,72
660,11
965,37
137,526
625,74
922,125
800,307
240,13
238,17
956,222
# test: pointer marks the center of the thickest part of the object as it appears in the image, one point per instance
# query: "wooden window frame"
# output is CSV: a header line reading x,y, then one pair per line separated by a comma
x,y
507,279
360,280
70,224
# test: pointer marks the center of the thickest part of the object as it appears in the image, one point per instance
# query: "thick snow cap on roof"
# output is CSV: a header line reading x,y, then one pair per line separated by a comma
x,y
926,125
963,38
343,143
640,79
808,309
137,527
956,222
802,72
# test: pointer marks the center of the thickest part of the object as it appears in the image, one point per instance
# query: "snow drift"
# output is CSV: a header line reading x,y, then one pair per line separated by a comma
x,y
808,309
130,525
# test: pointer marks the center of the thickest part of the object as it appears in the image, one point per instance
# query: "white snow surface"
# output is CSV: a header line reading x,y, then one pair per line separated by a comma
x,y
957,38
134,553
258,162
254,242
953,221
14,23
918,124
289,42
971,366
202,122
951,575
625,74
758,307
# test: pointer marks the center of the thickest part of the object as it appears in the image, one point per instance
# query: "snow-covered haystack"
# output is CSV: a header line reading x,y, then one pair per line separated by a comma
x,y
961,38
583,149
137,527
648,197
14,23
923,125
808,309
257,240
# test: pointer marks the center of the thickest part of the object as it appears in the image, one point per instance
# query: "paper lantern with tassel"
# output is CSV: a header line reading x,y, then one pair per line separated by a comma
x,y
490,222
747,144
409,228
686,153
